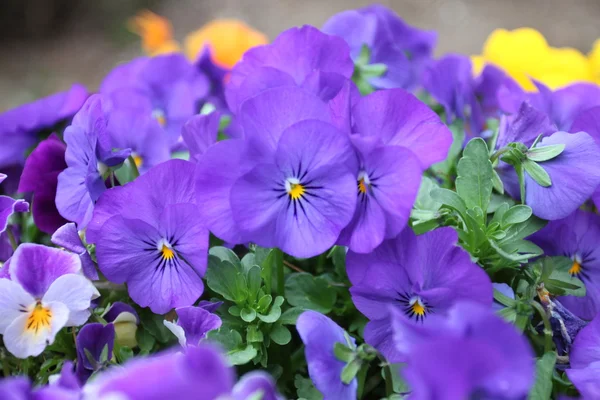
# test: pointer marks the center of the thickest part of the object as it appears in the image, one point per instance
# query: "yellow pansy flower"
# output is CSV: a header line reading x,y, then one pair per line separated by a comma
x,y
228,39
594,58
524,54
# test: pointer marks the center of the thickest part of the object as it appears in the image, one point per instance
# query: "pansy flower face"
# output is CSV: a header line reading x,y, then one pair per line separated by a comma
x,y
576,237
46,293
585,360
417,275
155,218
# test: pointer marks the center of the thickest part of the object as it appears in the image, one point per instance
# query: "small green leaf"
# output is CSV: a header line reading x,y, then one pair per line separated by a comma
x,y
450,199
343,352
474,181
145,340
544,370
309,292
227,279
537,173
373,70
225,254
264,302
280,335
254,283
242,356
104,354
290,316
234,310
503,299
425,207
154,324
364,56
350,370
273,314
254,334
497,182
207,108
248,314
305,389
125,353
516,214
545,153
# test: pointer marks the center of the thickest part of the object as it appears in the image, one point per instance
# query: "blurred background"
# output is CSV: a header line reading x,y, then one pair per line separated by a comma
x,y
45,45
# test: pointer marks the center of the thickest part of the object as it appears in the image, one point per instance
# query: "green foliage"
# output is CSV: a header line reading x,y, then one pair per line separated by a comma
x,y
310,292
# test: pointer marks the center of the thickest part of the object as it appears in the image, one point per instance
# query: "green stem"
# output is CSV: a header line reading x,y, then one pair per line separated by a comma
x,y
134,168
278,262
361,377
11,237
497,154
547,326
389,381
521,174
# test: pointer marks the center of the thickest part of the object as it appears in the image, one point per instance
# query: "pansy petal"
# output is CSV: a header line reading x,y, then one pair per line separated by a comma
x,y
9,206
24,342
177,331
196,322
76,292
253,383
36,267
200,132
12,299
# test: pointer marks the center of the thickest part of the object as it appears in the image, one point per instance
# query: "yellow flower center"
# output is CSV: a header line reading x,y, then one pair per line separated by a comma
x,y
296,191
361,186
39,318
418,309
159,116
167,252
575,268
138,160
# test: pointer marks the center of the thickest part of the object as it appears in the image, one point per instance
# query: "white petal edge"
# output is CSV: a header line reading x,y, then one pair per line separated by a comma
x,y
12,298
76,292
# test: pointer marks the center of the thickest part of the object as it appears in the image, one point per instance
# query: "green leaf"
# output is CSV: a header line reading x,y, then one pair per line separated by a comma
x,y
545,153
509,314
425,207
254,283
537,173
104,354
450,199
225,254
497,182
523,229
145,340
242,356
373,70
544,369
364,56
90,358
398,382
305,389
248,314
234,310
154,324
350,370
254,334
516,214
343,352
227,279
125,353
338,257
309,292
560,282
273,314
503,299
290,316
280,335
474,181
264,302
249,261
458,138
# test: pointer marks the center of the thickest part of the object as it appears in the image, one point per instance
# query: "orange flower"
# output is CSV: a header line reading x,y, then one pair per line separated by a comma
x,y
228,39
156,33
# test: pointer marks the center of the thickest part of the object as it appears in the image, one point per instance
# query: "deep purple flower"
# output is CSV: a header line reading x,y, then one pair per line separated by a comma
x,y
200,373
471,352
149,234
291,183
68,237
192,325
416,275
576,237
403,49
319,335
398,118
46,292
585,360
125,320
304,57
575,173
15,388
168,88
216,77
40,177
9,206
562,106
388,182
19,126
451,82
91,341
89,151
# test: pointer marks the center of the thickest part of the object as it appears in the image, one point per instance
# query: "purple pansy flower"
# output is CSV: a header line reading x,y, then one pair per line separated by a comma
x,y
575,173
256,384
9,206
388,182
216,77
417,275
19,126
46,292
562,106
585,360
200,373
304,57
471,352
200,132
290,183
68,237
451,82
192,325
403,49
149,234
91,341
40,177
319,335
576,237
125,320
398,118
167,88
88,153
588,121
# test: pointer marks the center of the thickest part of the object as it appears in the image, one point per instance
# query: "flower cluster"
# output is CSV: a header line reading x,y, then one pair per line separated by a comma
x,y
337,213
